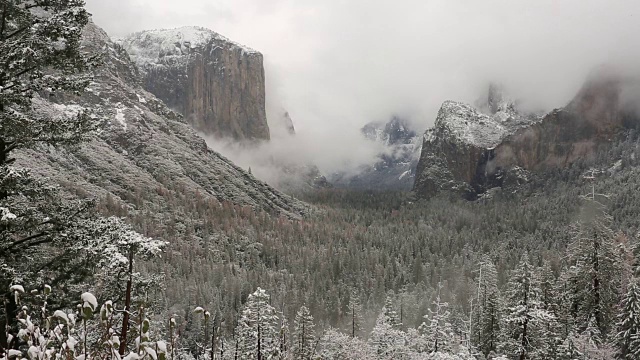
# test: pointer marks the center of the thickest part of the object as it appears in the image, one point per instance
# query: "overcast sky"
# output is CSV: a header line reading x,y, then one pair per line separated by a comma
x,y
337,64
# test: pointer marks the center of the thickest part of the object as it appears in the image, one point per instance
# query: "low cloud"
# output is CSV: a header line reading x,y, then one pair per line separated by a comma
x,y
336,65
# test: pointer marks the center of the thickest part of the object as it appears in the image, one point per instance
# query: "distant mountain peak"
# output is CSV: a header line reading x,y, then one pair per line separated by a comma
x,y
395,167
393,132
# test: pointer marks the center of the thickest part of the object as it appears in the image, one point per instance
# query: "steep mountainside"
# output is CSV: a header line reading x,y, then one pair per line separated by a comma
x,y
145,154
216,84
468,151
394,169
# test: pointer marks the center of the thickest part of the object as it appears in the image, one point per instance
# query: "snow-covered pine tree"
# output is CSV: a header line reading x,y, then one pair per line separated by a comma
x,y
258,329
387,340
550,329
568,350
491,314
524,314
284,340
390,313
566,305
355,313
335,345
439,333
628,337
115,251
596,270
488,307
303,335
40,53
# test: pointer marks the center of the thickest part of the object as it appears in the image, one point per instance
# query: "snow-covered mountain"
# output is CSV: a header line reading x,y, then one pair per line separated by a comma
x,y
146,156
470,150
217,84
395,167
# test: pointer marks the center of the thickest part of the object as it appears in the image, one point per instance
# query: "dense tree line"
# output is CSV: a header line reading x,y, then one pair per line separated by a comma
x,y
359,249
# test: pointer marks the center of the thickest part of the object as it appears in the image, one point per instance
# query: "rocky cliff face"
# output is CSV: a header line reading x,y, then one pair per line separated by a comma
x,y
395,168
469,152
218,85
145,157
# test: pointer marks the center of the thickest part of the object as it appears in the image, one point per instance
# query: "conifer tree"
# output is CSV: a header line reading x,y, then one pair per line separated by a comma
x,y
524,313
487,308
439,332
390,313
387,340
550,338
283,342
596,271
258,328
303,335
355,313
628,337
40,52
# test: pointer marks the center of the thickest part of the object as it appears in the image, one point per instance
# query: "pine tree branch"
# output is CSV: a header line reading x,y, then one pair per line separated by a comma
x,y
22,241
17,32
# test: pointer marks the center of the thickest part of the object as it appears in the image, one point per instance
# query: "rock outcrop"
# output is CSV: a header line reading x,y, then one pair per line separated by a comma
x,y
218,85
469,152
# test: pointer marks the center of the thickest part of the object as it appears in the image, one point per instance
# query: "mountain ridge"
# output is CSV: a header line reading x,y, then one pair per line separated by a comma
x,y
470,152
144,149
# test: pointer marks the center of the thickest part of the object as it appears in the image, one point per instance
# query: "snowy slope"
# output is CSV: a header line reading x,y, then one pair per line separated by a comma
x,y
144,152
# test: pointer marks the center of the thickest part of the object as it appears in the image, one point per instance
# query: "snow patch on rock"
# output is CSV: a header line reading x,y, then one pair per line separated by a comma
x,y
467,125
146,47
120,118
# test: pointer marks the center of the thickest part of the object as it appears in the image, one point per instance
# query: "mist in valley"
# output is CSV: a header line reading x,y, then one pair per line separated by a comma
x,y
336,66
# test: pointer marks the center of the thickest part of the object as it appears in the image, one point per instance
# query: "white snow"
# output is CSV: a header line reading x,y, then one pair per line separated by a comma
x,y
14,353
131,356
466,124
6,215
61,315
146,47
33,352
141,99
120,116
71,343
151,352
68,111
88,299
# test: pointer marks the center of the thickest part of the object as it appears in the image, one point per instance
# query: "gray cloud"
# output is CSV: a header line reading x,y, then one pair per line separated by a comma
x,y
337,64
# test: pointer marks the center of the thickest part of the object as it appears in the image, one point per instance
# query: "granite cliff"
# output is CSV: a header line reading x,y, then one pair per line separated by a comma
x,y
470,151
145,156
218,85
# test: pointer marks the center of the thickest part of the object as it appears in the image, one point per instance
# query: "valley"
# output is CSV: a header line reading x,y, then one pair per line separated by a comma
x,y
150,178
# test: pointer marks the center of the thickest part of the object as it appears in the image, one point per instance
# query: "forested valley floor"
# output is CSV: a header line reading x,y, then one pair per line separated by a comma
x,y
531,254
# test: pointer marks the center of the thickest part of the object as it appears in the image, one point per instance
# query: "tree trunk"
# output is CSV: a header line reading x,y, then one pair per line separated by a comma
x,y
353,322
259,343
596,284
127,308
